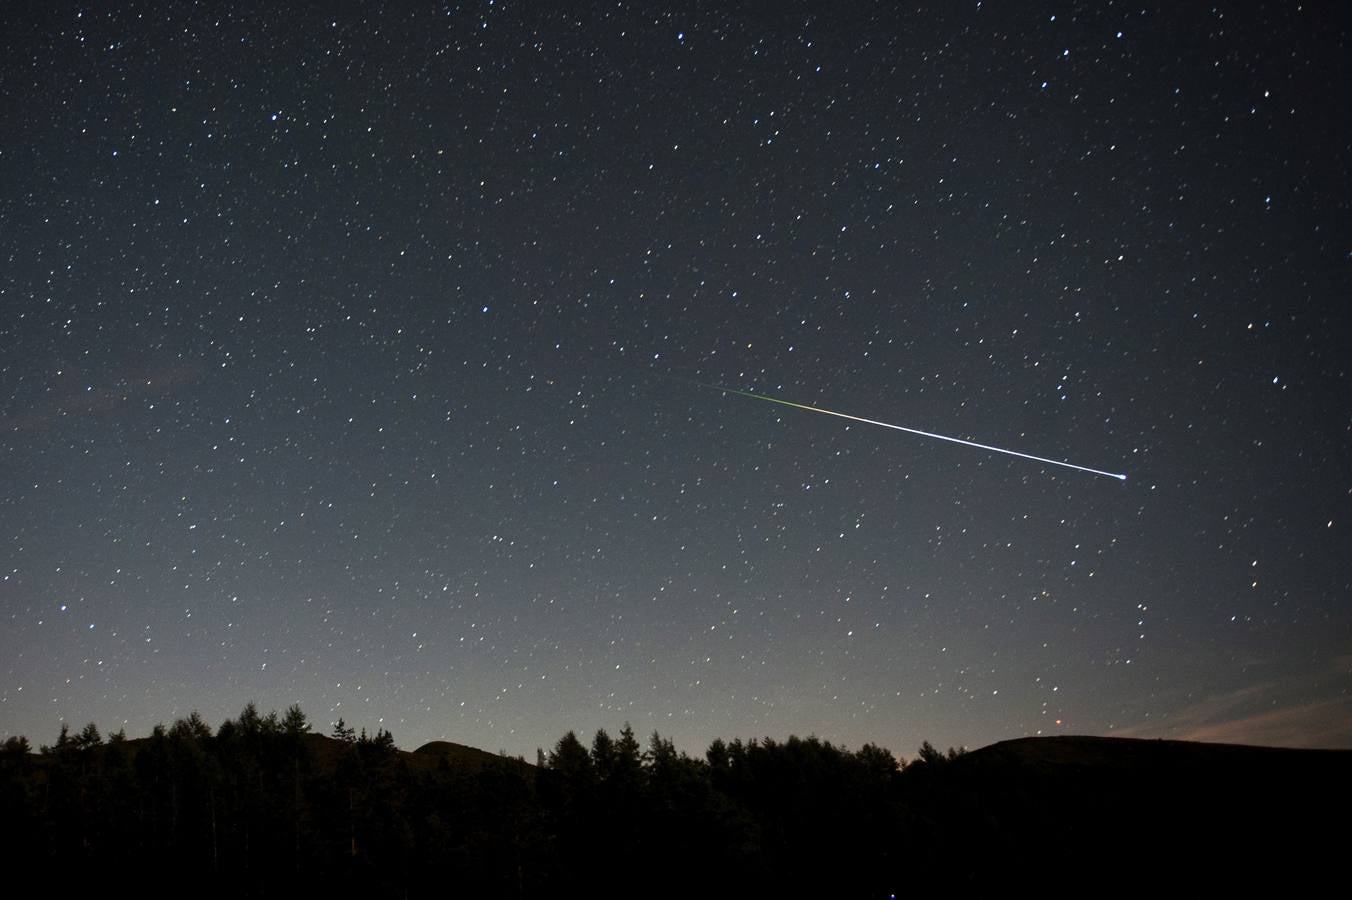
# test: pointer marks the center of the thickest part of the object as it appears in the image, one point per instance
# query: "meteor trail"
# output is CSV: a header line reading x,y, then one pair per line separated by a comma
x,y
928,434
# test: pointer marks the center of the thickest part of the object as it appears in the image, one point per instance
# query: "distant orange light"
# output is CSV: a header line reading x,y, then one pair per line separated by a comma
x,y
1058,721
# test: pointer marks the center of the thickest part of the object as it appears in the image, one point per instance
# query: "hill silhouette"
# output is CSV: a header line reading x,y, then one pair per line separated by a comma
x,y
261,806
1133,815
460,755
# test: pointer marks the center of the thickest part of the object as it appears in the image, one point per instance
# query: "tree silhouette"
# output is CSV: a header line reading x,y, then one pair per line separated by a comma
x,y
570,758
63,742
276,808
343,732
603,754
89,737
295,723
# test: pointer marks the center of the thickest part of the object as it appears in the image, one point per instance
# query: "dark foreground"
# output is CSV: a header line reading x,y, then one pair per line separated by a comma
x,y
261,807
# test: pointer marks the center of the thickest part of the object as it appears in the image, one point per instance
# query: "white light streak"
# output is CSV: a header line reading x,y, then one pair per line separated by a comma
x,y
921,433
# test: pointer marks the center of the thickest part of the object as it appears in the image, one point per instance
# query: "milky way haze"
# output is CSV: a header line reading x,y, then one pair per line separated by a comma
x,y
349,358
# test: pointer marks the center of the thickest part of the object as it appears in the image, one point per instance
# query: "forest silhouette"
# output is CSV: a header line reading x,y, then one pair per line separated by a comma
x,y
264,806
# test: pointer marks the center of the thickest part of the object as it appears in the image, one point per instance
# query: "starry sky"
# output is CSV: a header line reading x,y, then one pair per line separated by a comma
x,y
369,358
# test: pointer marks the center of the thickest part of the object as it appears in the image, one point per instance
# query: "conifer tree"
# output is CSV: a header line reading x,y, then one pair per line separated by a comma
x,y
295,723
63,742
343,732
603,754
89,737
250,722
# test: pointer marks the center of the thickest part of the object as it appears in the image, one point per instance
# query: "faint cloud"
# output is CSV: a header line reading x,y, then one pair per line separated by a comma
x,y
1275,713
1322,723
75,399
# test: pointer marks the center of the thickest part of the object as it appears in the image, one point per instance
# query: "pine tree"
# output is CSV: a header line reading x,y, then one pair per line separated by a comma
x,y
250,722
929,755
272,724
63,742
603,754
661,752
570,757
198,727
295,723
89,737
717,755
628,756
194,728
343,732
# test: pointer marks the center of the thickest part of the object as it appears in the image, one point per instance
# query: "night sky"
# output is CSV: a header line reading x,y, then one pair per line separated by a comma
x,y
369,359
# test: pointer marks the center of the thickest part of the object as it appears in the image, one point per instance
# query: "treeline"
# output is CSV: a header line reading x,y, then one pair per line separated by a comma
x,y
263,806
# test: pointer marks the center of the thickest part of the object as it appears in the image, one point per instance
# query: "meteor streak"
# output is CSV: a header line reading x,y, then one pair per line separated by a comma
x,y
928,434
